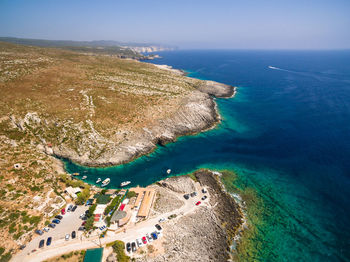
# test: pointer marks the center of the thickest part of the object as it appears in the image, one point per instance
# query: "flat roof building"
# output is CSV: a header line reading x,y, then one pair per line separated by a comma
x,y
146,204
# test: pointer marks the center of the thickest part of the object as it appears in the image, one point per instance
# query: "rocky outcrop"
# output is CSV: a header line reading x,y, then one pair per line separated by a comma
x,y
179,184
227,210
205,234
194,237
217,89
82,143
196,113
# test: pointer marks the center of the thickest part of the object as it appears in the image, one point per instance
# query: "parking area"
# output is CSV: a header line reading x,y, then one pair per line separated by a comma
x,y
70,222
145,237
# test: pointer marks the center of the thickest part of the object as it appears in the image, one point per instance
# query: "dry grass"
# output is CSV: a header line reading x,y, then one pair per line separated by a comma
x,y
61,97
67,85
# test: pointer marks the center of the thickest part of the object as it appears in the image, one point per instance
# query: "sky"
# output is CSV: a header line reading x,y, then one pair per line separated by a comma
x,y
190,24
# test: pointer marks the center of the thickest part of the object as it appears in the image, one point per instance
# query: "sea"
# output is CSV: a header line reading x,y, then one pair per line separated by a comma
x,y
285,135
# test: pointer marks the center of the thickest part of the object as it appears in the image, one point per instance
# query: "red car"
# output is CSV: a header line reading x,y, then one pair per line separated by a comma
x,y
144,240
198,203
83,223
63,211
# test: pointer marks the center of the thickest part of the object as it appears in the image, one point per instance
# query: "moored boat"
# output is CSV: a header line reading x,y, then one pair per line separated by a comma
x,y
106,182
168,171
98,180
75,174
84,177
125,183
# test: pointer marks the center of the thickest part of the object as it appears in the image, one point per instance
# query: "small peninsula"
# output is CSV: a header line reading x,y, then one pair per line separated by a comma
x,y
91,108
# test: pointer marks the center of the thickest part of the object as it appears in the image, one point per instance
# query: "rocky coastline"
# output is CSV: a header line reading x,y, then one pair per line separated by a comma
x,y
205,234
196,113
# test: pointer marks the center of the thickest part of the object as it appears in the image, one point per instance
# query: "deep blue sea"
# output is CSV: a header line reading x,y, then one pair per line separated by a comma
x,y
286,133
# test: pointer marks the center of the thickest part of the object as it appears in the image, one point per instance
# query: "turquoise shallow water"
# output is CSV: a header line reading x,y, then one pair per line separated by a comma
x,y
93,255
285,134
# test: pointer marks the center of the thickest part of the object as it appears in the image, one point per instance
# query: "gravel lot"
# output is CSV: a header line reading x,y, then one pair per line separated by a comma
x,y
70,222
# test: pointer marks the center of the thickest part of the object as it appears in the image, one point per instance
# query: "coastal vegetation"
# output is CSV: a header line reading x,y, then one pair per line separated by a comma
x,y
119,248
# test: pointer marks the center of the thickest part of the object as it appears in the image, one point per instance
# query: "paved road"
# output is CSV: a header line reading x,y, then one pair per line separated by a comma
x,y
133,231
70,222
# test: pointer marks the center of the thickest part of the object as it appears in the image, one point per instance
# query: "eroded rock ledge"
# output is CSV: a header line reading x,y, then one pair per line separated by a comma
x,y
196,113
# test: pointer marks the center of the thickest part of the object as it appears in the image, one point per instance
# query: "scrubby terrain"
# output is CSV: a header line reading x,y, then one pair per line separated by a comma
x,y
93,109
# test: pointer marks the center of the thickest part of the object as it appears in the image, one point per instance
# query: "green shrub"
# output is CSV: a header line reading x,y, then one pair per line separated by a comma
x,y
119,249
130,194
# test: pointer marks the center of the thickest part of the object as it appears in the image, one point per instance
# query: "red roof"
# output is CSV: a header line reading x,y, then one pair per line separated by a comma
x,y
122,207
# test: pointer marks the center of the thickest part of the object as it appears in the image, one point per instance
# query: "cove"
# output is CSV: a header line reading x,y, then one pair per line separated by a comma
x,y
286,136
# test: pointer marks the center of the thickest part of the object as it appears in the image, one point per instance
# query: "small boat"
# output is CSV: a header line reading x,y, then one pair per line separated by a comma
x,y
125,183
98,180
84,177
168,171
75,174
106,182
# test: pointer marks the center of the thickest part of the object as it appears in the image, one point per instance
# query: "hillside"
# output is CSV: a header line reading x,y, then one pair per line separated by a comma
x,y
95,110
115,48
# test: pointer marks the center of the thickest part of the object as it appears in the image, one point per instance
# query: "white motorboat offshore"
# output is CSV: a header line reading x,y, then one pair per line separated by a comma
x,y
125,183
106,182
168,171
84,177
98,180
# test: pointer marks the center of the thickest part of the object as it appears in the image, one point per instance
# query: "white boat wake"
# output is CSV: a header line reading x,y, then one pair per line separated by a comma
x,y
273,67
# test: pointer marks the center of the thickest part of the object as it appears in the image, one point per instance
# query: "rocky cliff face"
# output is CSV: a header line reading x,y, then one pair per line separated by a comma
x,y
81,143
196,113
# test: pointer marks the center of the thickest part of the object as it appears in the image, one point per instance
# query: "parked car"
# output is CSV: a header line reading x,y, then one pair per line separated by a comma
x,y
52,225
149,238
83,224
22,247
139,242
67,237
133,246
74,208
41,243
56,221
186,196
59,217
161,220
81,228
63,211
158,227
204,198
198,203
89,202
144,240
46,229
39,232
48,241
84,218
204,190
69,209
73,234
154,235
193,194
128,247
